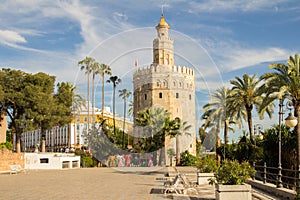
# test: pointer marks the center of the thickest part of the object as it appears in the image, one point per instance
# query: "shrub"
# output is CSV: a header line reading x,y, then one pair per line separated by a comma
x,y
187,159
7,145
207,164
233,173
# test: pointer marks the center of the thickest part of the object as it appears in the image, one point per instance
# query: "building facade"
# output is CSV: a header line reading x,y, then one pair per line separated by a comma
x,y
163,84
72,135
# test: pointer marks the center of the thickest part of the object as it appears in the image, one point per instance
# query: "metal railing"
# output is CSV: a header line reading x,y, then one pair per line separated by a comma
x,y
270,175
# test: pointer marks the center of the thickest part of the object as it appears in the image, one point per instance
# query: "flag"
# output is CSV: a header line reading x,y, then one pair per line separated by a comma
x,y
136,64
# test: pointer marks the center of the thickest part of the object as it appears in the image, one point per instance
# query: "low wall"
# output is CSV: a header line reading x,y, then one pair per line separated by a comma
x,y
51,161
7,158
282,193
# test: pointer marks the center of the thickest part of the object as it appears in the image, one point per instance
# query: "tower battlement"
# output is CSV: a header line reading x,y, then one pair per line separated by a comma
x,y
183,70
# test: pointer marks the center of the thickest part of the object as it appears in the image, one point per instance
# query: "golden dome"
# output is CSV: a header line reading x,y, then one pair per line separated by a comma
x,y
162,22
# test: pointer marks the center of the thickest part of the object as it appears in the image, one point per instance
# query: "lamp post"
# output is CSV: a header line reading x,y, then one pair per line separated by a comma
x,y
279,181
292,121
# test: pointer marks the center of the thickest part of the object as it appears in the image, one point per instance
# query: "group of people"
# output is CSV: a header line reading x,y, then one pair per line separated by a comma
x,y
130,160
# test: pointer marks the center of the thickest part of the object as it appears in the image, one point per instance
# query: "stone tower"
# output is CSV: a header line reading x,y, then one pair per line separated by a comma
x,y
162,84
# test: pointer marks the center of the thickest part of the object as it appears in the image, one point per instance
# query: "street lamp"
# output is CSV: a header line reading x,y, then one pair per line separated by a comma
x,y
292,121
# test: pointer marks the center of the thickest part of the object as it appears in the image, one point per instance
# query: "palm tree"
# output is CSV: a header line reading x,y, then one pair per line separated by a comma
x,y
247,95
86,65
78,103
219,113
285,83
104,69
115,80
124,94
95,67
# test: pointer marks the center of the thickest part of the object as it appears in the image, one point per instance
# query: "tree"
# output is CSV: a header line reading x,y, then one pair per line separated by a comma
x,y
115,80
12,101
86,65
247,95
158,125
124,94
104,69
95,67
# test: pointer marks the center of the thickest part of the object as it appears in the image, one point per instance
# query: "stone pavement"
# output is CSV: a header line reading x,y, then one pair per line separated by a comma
x,y
92,183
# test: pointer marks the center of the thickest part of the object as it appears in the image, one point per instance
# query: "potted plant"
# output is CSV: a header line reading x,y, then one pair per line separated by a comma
x,y
230,180
206,166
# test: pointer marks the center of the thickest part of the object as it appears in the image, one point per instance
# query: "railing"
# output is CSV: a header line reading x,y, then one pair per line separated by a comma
x,y
270,175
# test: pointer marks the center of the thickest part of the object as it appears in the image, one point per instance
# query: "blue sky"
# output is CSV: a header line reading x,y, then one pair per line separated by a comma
x,y
219,39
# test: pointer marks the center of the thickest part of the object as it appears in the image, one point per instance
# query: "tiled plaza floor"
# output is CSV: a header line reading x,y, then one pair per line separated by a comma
x,y
91,183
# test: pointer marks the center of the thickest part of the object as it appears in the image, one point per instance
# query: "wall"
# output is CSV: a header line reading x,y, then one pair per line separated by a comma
x,y
7,158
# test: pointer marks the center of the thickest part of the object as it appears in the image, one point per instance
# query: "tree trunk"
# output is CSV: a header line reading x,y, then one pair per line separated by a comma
x,y
88,98
123,139
177,150
226,131
18,143
114,112
249,119
93,102
103,95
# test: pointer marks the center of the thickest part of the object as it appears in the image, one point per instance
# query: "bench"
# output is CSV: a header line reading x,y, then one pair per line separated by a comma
x,y
187,185
173,185
15,169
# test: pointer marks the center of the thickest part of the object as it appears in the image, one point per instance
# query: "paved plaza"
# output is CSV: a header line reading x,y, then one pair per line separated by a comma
x,y
92,183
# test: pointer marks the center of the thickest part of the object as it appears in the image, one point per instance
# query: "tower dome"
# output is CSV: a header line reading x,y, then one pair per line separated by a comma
x,y
163,23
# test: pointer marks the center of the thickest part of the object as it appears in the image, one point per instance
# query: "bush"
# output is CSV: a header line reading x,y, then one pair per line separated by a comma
x,y
7,145
233,173
187,159
207,164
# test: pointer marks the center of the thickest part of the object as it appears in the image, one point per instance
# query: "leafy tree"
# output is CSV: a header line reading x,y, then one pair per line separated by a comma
x,y
12,102
124,94
247,95
115,80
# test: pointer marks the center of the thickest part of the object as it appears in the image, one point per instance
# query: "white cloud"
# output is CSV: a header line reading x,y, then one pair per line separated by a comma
x,y
234,5
11,37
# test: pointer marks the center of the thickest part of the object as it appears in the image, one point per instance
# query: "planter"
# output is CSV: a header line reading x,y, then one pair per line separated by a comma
x,y
202,178
229,192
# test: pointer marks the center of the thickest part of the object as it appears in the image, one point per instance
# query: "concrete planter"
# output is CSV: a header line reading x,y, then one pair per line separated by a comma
x,y
202,178
229,192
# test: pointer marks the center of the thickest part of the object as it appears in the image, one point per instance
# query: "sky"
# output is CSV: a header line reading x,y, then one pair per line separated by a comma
x,y
221,40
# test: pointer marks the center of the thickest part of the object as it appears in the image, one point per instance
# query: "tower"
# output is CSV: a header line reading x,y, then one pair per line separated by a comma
x,y
163,84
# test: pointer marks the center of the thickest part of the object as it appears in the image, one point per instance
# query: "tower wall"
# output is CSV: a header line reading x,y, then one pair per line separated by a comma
x,y
170,87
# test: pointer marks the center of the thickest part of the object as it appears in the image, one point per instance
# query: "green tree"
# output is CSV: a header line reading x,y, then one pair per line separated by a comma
x,y
124,94
247,95
115,80
86,65
285,83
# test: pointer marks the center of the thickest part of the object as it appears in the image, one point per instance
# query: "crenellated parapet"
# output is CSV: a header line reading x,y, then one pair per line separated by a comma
x,y
164,69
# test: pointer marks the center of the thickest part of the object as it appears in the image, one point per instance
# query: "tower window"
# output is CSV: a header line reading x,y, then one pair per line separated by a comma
x,y
177,95
145,96
190,97
160,95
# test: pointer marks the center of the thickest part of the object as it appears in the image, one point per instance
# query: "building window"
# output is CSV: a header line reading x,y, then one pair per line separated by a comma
x,y
190,97
145,96
160,95
177,95
44,160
